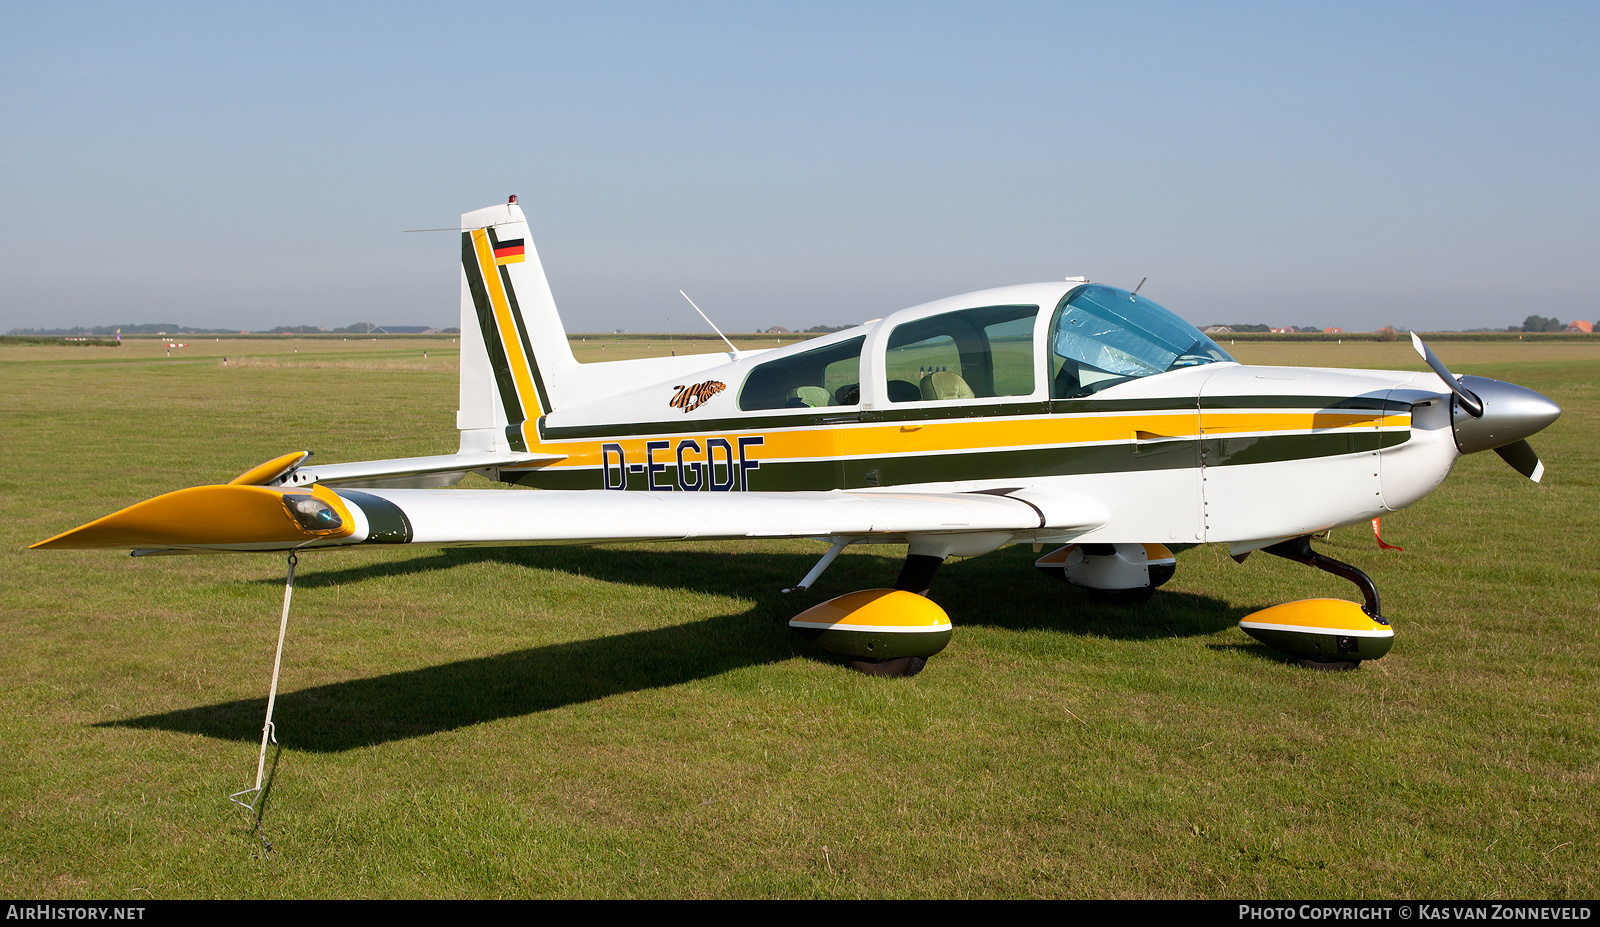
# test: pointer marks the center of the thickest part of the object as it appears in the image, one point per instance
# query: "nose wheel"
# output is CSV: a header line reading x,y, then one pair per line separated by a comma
x,y
1299,550
1325,634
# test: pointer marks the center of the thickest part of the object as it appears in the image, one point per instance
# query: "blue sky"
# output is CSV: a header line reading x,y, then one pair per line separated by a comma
x,y
1426,165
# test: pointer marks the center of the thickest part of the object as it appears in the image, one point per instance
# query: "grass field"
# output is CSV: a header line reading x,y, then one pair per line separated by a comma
x,y
638,721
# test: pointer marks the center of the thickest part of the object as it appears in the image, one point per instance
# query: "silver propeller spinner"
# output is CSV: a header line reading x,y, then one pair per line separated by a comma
x,y
1494,415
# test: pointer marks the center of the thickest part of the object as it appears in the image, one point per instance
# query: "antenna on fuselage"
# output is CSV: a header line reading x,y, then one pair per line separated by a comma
x,y
1139,287
713,326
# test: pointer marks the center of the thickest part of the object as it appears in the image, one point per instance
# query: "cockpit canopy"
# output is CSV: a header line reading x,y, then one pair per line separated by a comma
x,y
1101,336
1098,336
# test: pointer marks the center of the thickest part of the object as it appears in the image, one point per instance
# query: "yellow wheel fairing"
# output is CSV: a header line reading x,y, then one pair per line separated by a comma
x,y
1327,616
890,610
1320,629
265,473
1056,559
877,624
1158,554
227,516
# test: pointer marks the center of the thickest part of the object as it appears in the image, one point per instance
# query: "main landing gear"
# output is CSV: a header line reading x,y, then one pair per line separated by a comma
x,y
884,632
1115,574
1325,634
893,632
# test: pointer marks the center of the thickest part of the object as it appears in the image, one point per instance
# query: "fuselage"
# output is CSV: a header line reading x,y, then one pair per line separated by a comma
x,y
992,390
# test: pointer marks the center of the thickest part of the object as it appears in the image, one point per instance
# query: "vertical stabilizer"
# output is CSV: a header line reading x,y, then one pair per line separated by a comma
x,y
514,353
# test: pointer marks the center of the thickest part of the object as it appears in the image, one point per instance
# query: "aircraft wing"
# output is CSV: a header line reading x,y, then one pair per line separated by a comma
x,y
249,517
490,517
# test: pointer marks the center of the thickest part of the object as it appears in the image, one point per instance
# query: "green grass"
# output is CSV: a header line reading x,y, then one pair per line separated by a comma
x,y
637,721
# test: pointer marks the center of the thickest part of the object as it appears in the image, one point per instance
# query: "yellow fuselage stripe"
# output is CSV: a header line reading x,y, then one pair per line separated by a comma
x,y
851,440
509,338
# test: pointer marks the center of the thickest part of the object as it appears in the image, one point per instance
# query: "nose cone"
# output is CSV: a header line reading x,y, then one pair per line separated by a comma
x,y
1510,414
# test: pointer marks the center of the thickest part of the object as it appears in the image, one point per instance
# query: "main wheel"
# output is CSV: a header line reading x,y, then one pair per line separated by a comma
x,y
902,666
1329,666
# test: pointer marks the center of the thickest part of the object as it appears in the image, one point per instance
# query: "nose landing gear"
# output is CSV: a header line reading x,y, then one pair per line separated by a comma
x,y
1326,634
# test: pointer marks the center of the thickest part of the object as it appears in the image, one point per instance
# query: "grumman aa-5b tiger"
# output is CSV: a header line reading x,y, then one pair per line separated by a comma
x,y
1069,414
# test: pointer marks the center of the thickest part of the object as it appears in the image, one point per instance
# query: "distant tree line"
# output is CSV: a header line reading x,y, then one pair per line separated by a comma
x,y
172,328
110,331
1538,323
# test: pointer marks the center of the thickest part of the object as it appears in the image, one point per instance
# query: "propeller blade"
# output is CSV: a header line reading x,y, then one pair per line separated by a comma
x,y
1520,455
1471,403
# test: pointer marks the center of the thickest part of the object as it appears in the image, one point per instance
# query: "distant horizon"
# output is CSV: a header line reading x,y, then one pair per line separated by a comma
x,y
129,330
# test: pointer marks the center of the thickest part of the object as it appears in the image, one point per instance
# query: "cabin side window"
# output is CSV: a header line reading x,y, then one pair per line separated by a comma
x,y
829,376
1102,336
968,354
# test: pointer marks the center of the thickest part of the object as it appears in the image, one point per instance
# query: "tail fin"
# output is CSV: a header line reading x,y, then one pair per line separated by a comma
x,y
514,350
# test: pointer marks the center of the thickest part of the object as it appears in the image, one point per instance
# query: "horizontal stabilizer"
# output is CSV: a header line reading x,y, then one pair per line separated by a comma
x,y
413,472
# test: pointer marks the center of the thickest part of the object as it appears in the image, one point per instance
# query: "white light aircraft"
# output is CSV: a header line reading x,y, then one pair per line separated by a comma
x,y
1065,413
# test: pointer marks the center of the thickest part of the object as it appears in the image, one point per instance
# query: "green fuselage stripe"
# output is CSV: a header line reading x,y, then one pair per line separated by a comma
x,y
977,464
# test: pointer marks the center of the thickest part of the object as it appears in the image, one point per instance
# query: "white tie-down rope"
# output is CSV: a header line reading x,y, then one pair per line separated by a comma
x,y
268,732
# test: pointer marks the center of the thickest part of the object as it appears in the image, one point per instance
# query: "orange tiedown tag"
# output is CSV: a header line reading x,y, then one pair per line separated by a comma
x,y
1380,538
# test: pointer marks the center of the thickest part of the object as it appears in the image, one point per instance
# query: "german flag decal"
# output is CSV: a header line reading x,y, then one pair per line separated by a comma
x,y
509,252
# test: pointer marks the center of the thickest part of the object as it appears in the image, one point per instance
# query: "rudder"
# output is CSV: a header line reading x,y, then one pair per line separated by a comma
x,y
514,351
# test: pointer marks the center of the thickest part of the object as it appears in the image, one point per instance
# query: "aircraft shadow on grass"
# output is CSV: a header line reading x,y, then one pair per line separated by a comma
x,y
995,591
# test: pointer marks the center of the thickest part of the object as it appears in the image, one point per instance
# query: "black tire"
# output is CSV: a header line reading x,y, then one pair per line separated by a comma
x,y
902,666
1329,666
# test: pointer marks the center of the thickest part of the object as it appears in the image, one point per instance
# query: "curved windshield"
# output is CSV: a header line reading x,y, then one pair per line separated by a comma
x,y
1102,335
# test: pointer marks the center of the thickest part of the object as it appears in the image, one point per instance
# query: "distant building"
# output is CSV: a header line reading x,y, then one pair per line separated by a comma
x,y
1219,330
1580,327
1333,331
777,330
1288,330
